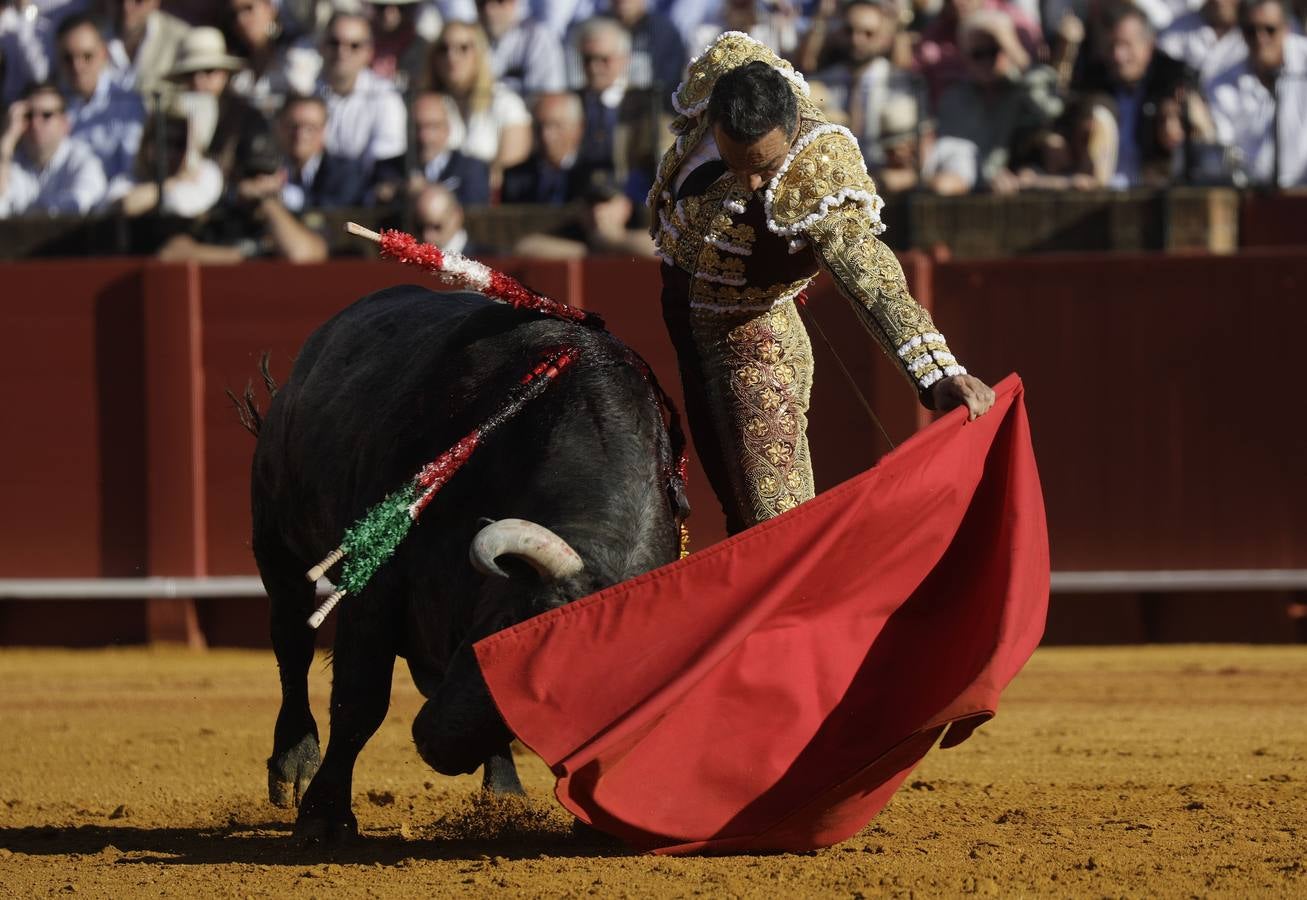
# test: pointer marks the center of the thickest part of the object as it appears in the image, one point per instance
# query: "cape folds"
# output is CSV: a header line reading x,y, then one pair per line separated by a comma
x,y
772,691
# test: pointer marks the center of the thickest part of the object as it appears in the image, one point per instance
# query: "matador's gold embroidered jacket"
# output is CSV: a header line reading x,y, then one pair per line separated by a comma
x,y
751,253
738,259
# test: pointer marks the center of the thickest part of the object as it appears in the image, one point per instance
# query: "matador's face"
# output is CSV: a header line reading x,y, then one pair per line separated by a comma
x,y
754,164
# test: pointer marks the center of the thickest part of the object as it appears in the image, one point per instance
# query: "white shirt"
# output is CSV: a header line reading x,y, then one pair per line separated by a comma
x,y
1161,13
111,122
24,37
293,70
478,136
122,62
528,59
369,123
1196,44
71,183
1244,112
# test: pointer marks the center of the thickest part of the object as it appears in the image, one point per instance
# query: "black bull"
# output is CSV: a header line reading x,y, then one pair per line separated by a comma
x,y
376,392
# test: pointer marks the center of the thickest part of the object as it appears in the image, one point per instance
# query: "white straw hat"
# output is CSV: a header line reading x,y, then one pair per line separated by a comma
x,y
201,49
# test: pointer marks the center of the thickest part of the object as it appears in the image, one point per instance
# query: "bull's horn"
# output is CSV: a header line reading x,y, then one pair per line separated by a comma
x,y
536,545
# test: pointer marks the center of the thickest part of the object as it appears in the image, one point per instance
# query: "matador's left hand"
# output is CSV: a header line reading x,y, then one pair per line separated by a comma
x,y
957,390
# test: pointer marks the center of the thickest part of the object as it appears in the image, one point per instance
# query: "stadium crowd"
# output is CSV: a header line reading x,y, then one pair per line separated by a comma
x,y
239,120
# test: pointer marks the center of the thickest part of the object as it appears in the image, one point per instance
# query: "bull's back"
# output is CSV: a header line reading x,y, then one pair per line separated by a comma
x,y
381,388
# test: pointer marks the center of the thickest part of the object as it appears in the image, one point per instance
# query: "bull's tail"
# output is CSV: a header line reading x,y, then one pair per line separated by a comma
x,y
247,405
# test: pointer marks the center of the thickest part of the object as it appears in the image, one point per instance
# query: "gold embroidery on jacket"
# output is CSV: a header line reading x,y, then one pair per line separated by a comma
x,y
830,164
866,272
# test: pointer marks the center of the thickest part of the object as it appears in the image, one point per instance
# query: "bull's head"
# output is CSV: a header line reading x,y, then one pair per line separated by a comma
x,y
459,727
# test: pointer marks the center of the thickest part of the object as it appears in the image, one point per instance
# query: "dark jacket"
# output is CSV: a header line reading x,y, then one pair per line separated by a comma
x,y
339,181
531,181
467,176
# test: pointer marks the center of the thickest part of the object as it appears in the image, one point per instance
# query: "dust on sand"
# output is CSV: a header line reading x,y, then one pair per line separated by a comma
x,y
1157,771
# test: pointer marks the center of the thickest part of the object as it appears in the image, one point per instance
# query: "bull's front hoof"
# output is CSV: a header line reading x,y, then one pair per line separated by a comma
x,y
290,772
326,831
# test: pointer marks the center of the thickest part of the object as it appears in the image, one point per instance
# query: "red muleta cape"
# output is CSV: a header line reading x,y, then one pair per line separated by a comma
x,y
771,692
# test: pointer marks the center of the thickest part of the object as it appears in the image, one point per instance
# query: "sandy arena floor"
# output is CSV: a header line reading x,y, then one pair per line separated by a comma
x,y
1163,771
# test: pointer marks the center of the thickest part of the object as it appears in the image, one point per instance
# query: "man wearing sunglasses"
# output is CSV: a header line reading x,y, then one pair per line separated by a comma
x,y
1259,104
106,114
366,118
757,195
991,114
42,168
1143,82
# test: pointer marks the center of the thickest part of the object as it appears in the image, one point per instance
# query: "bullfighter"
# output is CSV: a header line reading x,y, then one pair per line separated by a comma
x,y
757,193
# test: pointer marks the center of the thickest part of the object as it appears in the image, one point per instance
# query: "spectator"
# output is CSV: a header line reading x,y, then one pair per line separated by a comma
x,y
775,24
1079,152
277,65
605,229
1259,104
494,124
42,168
439,219
658,55
902,143
868,81
525,54
605,50
1137,77
366,118
1205,39
626,128
24,36
1178,148
242,143
439,161
106,115
401,52
310,177
822,43
825,42
554,173
994,114
938,56
182,182
144,43
262,218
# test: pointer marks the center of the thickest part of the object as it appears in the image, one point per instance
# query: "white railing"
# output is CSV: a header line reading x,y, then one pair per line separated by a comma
x,y
1159,581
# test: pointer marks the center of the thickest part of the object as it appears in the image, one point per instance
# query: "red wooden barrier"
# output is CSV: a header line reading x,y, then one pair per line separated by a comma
x,y
1160,391
1161,398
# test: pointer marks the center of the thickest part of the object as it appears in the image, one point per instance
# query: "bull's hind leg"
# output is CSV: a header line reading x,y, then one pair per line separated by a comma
x,y
295,756
363,663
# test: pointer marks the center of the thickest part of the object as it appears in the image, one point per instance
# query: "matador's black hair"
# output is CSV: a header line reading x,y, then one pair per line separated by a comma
x,y
751,100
